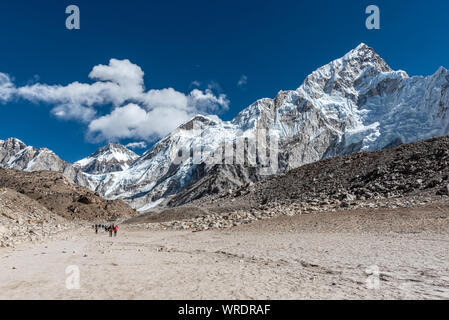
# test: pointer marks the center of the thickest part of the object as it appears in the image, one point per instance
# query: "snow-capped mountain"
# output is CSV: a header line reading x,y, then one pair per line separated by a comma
x,y
14,154
355,103
110,158
160,171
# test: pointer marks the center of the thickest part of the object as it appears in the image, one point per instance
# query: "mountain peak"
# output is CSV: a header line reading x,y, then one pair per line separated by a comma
x,y
14,143
441,70
110,158
366,55
198,118
113,147
341,75
362,47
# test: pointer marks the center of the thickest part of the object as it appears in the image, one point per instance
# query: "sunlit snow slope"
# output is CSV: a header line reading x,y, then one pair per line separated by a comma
x,y
355,103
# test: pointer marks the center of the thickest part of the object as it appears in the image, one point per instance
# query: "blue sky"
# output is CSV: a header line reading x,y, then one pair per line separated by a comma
x,y
180,44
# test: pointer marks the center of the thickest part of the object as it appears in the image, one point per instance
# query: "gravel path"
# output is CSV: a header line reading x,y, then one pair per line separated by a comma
x,y
318,256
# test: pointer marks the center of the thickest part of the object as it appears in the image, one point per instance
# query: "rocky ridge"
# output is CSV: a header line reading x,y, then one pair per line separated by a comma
x,y
14,154
406,176
110,158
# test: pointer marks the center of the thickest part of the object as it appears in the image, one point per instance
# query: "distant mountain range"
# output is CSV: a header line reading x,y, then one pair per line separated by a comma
x,y
355,103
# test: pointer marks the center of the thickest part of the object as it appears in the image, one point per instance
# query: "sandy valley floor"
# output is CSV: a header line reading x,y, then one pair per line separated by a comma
x,y
322,256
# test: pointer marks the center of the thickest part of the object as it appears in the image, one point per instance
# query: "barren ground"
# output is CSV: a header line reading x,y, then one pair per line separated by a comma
x,y
319,256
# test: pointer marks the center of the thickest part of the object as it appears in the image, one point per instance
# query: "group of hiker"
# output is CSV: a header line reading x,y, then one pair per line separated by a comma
x,y
112,228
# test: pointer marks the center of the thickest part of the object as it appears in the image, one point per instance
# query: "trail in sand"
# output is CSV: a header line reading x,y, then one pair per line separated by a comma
x,y
321,256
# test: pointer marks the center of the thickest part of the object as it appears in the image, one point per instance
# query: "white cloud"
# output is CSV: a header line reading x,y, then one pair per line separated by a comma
x,y
121,123
136,113
70,111
137,145
134,122
118,82
6,87
122,72
165,98
243,81
206,100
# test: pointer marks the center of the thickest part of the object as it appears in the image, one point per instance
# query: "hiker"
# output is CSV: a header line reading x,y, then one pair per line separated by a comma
x,y
96,229
115,231
110,231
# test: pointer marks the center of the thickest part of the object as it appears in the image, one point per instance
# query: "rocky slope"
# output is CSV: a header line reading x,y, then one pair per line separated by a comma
x,y
408,176
62,197
24,219
420,168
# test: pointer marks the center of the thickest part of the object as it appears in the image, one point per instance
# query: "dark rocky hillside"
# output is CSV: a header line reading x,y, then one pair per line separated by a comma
x,y
59,195
420,168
